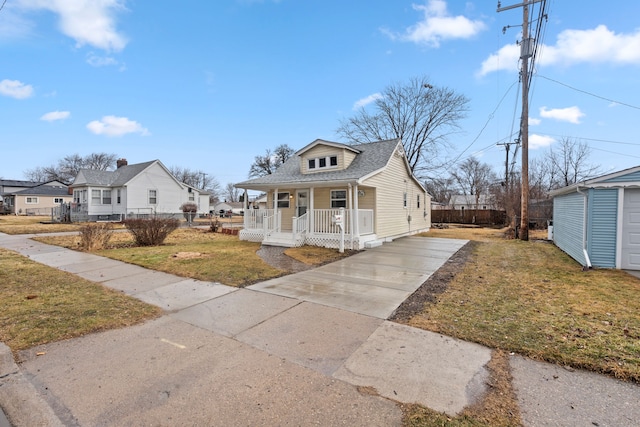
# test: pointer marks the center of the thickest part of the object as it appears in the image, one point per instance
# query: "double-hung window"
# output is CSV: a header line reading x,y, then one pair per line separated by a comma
x,y
153,197
31,200
283,200
106,197
338,198
96,197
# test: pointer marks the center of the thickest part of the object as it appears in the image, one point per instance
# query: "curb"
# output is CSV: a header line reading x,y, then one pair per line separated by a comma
x,y
19,399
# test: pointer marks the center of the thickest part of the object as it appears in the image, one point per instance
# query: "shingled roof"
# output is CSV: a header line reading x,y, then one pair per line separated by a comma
x,y
115,178
372,157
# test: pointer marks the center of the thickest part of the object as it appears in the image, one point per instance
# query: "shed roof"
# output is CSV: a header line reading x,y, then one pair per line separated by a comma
x,y
629,177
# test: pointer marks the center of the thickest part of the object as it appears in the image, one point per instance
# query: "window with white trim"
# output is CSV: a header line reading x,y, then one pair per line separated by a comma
x,y
118,196
96,197
418,204
283,200
153,197
323,162
404,200
58,200
338,198
31,200
106,197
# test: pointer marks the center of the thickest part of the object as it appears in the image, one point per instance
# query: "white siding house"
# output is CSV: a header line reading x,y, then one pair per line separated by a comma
x,y
370,185
132,190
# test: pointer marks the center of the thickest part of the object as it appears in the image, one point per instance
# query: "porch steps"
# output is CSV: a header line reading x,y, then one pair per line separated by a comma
x,y
279,239
372,244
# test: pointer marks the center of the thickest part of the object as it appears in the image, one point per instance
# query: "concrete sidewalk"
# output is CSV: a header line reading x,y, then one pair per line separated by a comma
x,y
295,350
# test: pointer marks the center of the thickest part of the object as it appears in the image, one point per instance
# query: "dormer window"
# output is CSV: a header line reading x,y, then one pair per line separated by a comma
x,y
323,162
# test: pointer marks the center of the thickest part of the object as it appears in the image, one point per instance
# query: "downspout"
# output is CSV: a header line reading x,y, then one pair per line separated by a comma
x,y
584,228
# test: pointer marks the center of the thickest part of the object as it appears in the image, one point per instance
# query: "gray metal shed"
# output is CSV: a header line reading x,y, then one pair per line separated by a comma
x,y
597,222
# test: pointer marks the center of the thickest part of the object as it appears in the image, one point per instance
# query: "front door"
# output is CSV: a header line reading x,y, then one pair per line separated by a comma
x,y
302,202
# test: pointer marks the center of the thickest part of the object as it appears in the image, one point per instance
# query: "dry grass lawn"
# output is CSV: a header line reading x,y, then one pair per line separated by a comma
x,y
188,252
41,304
22,224
532,299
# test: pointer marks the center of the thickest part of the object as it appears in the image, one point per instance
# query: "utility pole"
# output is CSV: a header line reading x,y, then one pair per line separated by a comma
x,y
526,51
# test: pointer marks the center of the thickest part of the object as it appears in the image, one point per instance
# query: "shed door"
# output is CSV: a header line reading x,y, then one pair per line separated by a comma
x,y
631,230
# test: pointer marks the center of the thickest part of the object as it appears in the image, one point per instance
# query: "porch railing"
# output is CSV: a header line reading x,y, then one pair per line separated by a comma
x,y
301,224
272,221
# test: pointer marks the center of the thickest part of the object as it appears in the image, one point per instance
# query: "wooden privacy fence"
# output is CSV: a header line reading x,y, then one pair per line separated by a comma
x,y
469,216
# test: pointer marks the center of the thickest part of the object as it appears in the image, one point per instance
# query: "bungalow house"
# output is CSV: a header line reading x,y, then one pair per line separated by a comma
x,y
33,198
135,190
597,221
328,191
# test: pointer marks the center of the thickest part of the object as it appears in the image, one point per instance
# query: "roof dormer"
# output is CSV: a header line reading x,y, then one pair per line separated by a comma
x,y
325,156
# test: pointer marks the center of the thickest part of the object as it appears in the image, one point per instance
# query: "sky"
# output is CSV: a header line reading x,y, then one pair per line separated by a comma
x,y
208,85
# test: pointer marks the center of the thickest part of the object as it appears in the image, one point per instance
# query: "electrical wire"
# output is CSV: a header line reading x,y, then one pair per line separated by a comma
x,y
589,93
491,116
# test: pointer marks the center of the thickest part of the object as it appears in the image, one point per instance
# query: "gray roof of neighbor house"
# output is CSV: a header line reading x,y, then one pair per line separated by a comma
x,y
373,156
115,178
44,190
18,183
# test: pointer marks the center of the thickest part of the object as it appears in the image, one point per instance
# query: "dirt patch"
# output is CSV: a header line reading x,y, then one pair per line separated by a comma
x,y
436,284
186,255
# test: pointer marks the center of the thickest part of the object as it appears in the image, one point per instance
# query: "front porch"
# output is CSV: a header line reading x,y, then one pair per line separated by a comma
x,y
315,227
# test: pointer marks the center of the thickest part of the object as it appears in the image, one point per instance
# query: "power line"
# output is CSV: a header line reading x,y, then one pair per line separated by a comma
x,y
595,139
486,123
3,3
589,93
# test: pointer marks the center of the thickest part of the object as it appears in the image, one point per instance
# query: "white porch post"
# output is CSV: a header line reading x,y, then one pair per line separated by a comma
x,y
245,208
356,217
350,201
311,215
275,199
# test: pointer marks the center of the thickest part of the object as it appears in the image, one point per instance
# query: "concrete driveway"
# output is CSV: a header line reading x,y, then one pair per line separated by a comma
x,y
374,282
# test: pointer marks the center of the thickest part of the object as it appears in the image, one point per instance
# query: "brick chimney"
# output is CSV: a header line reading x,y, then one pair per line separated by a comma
x,y
121,162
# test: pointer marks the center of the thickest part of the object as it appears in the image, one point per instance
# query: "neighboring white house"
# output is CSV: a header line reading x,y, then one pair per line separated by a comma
x,y
466,201
135,190
368,188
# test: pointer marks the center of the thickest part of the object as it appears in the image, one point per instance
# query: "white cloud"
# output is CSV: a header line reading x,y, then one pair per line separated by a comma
x,y
598,45
540,141
534,121
100,61
366,101
569,114
505,59
55,115
438,25
116,126
88,22
15,89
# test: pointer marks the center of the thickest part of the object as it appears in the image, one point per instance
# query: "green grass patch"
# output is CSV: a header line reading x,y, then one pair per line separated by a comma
x,y
41,304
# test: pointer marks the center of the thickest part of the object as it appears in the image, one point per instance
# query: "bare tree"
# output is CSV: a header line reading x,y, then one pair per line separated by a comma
x,y
198,179
420,114
474,178
68,167
231,193
440,189
270,161
569,163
